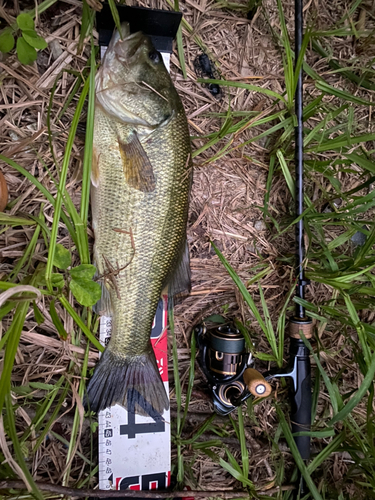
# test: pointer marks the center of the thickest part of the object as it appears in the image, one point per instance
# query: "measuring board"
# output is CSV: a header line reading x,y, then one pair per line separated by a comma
x,y
135,450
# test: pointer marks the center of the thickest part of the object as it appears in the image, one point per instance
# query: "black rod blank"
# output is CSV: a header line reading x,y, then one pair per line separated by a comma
x,y
299,356
300,292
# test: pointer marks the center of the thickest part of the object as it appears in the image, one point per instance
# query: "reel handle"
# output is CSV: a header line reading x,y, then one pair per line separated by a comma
x,y
256,383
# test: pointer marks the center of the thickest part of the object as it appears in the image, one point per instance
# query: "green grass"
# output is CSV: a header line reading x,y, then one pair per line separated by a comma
x,y
347,272
44,278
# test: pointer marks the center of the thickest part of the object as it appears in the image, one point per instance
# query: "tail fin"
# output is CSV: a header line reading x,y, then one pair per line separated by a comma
x,y
130,381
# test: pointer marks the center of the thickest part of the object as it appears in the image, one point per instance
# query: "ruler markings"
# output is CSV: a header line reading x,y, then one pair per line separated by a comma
x,y
134,450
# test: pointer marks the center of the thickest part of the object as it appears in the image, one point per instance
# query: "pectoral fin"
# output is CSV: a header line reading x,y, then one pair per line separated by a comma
x,y
136,165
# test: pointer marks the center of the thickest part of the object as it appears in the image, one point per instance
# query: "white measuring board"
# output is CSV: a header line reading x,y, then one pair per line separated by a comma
x,y
135,450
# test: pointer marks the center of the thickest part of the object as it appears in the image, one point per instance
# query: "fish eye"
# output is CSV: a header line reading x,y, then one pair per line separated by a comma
x,y
154,56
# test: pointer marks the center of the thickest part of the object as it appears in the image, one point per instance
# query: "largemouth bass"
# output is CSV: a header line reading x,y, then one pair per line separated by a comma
x,y
141,178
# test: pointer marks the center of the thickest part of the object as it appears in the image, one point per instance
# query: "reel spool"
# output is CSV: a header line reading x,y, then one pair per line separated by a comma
x,y
226,351
225,363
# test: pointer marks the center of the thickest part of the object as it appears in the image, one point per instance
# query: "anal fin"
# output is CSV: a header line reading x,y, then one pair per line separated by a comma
x,y
103,307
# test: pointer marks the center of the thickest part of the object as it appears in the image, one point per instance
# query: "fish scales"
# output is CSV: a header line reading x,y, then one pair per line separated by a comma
x,y
140,189
157,228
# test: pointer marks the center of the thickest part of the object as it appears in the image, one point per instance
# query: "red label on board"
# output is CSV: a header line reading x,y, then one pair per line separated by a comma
x,y
160,342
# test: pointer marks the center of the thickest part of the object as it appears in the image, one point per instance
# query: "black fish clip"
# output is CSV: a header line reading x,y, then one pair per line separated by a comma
x,y
204,68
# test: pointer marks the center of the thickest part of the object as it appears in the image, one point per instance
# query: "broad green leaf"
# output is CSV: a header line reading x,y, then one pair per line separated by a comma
x,y
18,449
67,305
359,327
80,233
14,220
264,356
116,17
341,141
25,22
237,475
87,292
367,381
271,334
327,89
362,161
33,39
191,378
286,172
25,53
84,271
288,58
335,397
245,293
180,51
56,321
205,426
62,258
42,386
13,337
218,443
22,389
57,280
43,190
247,86
318,434
88,18
39,318
296,455
326,452
216,318
243,444
6,41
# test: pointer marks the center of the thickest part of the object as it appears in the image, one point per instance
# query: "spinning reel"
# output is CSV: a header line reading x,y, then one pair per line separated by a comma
x,y
226,365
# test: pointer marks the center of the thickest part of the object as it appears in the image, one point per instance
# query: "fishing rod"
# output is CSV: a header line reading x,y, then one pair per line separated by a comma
x,y
299,355
221,358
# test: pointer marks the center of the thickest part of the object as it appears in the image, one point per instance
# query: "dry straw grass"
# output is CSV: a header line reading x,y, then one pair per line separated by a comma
x,y
225,201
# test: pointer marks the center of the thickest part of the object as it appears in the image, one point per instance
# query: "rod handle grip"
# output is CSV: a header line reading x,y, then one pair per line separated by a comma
x,y
301,398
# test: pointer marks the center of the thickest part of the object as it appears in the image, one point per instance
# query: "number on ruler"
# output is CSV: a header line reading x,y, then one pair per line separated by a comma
x,y
149,482
132,428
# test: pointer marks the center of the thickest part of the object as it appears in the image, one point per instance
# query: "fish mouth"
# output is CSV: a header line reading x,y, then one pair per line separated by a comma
x,y
129,47
116,37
